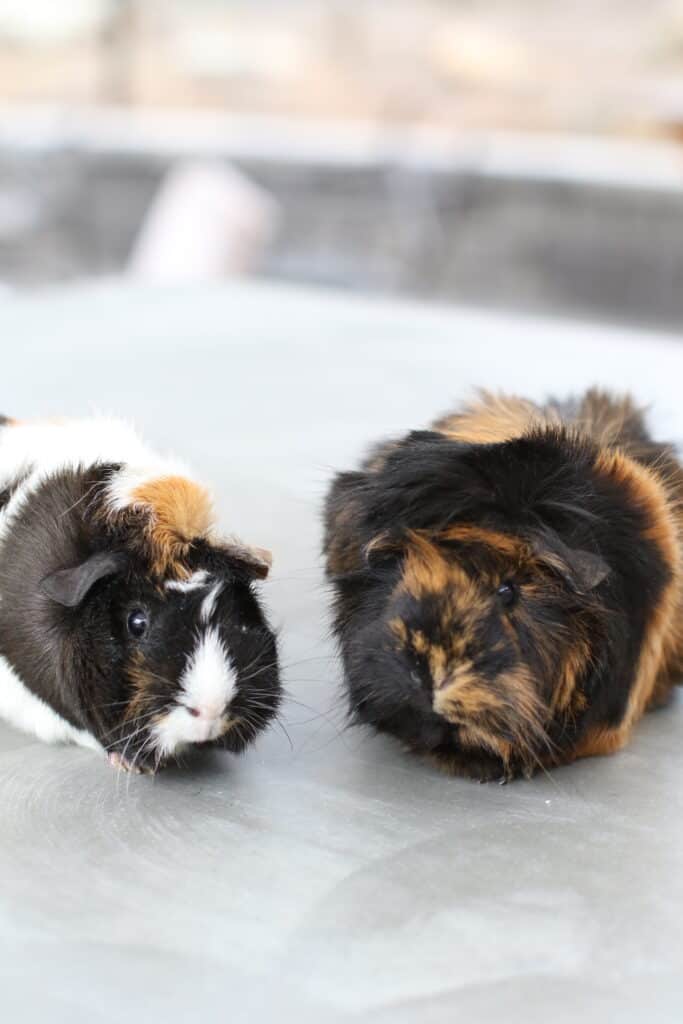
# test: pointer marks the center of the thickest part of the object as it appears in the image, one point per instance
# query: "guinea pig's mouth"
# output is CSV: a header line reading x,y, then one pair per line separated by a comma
x,y
232,727
498,717
146,749
185,724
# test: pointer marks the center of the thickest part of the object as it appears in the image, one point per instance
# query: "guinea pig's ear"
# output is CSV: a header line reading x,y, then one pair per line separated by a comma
x,y
589,570
583,571
255,562
69,586
383,550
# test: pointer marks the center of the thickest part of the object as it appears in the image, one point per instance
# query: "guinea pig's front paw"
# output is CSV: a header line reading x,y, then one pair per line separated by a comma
x,y
472,764
122,764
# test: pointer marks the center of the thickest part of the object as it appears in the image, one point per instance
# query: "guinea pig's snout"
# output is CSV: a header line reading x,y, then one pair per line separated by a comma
x,y
207,711
206,688
205,722
205,719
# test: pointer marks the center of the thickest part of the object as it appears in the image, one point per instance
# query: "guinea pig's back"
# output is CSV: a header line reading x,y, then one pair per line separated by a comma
x,y
33,450
616,422
49,445
493,417
609,421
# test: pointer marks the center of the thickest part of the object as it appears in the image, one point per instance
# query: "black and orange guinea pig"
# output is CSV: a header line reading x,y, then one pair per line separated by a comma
x,y
126,624
508,585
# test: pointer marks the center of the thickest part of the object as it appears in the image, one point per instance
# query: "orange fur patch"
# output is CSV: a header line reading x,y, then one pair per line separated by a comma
x,y
601,742
419,642
494,418
565,695
605,418
501,543
400,631
437,660
143,683
180,512
462,696
426,571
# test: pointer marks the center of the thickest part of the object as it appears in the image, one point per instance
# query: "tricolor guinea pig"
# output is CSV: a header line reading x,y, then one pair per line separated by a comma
x,y
508,585
126,625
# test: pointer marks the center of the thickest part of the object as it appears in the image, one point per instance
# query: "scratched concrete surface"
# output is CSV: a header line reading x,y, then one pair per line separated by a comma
x,y
336,879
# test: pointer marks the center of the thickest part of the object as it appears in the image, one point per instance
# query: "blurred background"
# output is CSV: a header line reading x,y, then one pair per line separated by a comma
x,y
518,154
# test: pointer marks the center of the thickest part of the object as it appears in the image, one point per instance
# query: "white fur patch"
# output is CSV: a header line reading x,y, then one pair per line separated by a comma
x,y
209,603
207,685
197,581
41,448
26,711
56,444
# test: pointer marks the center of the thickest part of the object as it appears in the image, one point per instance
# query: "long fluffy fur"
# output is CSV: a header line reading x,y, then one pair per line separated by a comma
x,y
569,507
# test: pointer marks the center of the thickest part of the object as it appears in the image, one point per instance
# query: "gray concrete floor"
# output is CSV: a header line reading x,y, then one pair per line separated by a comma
x,y
338,879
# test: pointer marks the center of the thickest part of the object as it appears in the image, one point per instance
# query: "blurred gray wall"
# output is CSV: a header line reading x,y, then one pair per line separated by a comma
x,y
594,232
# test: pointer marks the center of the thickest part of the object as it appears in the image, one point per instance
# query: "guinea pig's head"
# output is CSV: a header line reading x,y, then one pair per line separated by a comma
x,y
466,623
163,664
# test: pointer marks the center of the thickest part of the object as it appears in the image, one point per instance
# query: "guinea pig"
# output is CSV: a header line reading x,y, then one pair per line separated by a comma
x,y
126,624
508,584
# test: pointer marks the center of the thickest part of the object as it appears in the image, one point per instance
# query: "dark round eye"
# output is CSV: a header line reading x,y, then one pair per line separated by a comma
x,y
507,593
137,623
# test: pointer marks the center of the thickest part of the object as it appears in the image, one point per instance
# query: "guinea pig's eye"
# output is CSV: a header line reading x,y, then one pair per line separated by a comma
x,y
507,593
137,623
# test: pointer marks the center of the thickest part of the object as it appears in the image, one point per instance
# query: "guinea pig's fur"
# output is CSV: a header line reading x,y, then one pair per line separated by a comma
x,y
125,624
508,584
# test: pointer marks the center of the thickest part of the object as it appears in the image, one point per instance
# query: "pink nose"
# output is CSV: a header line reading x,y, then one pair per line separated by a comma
x,y
208,711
